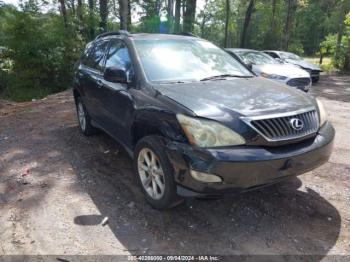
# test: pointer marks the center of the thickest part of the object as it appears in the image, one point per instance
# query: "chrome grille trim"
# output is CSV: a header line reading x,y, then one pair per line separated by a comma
x,y
277,127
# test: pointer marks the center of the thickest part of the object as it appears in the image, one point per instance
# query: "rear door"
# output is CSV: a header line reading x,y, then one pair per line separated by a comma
x,y
91,71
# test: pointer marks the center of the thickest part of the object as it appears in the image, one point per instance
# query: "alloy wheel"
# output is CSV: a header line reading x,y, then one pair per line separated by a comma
x,y
81,116
151,173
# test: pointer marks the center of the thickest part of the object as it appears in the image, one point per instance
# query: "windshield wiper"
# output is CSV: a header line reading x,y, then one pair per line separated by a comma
x,y
223,76
174,81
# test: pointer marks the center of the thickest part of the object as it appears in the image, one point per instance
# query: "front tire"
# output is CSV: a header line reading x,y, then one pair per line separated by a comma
x,y
315,79
155,173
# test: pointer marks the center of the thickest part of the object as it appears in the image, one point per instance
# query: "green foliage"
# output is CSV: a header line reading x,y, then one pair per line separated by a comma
x,y
42,52
328,48
210,21
38,50
296,47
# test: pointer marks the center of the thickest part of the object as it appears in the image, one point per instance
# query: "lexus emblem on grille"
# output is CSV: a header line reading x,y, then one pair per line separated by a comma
x,y
296,124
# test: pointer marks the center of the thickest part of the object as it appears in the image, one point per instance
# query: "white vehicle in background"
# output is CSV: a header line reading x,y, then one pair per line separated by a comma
x,y
290,58
265,66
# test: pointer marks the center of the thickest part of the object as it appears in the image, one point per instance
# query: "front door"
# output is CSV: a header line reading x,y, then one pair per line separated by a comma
x,y
118,103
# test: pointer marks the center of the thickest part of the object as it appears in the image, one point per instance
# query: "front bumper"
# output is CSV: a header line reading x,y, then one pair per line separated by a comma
x,y
304,88
244,168
303,83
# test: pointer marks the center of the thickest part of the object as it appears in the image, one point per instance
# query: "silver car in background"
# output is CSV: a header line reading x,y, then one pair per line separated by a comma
x,y
265,66
290,58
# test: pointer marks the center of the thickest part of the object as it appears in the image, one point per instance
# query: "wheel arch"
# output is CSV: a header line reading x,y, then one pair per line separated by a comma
x,y
76,94
154,122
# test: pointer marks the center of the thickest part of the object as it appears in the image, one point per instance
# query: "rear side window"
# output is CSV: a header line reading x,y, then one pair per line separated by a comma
x,y
274,55
86,53
96,56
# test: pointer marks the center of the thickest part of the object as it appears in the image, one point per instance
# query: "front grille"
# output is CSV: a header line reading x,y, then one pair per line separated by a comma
x,y
315,72
299,82
281,127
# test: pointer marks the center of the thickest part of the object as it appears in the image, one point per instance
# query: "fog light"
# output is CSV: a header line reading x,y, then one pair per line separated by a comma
x,y
205,177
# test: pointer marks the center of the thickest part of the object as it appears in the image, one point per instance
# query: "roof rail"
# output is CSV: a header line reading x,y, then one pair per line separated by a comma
x,y
120,32
188,34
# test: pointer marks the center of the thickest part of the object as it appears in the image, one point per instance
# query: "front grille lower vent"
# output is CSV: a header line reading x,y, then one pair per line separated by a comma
x,y
299,82
286,127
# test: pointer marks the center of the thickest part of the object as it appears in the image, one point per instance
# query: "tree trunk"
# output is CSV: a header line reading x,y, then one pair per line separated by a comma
x,y
63,12
189,15
177,16
170,8
227,22
129,15
123,14
170,15
270,37
273,17
91,19
103,15
80,11
204,19
347,59
340,34
292,5
73,7
247,18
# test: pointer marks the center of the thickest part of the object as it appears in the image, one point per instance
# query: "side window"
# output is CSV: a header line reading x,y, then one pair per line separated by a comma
x,y
95,59
274,55
85,55
118,56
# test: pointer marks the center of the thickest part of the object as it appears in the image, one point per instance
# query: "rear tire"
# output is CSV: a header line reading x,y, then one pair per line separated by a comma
x,y
155,173
84,119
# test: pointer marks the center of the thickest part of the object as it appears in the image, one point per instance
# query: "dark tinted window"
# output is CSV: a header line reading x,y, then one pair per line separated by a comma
x,y
118,57
87,51
272,54
95,58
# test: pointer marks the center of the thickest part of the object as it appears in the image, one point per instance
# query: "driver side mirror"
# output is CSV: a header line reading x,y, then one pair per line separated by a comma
x,y
250,66
115,75
279,60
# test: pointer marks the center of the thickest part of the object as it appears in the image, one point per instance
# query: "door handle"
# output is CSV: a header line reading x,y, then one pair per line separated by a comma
x,y
99,83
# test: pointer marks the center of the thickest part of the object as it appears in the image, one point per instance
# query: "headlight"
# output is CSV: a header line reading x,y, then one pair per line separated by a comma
x,y
273,76
205,133
322,112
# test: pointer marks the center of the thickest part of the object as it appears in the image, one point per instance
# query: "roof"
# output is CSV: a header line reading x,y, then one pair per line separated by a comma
x,y
145,35
160,36
237,50
276,51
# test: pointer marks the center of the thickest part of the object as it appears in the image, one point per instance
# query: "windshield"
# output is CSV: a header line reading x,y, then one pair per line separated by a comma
x,y
286,55
170,60
256,58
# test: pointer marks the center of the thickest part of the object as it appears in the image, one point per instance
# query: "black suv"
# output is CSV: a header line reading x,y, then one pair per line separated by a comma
x,y
196,122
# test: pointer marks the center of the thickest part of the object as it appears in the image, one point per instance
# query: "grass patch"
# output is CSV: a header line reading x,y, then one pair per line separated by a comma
x,y
21,90
327,65
21,94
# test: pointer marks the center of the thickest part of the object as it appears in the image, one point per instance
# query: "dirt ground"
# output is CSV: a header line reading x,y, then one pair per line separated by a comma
x,y
56,187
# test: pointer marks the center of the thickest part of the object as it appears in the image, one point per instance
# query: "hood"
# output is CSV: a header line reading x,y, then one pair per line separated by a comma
x,y
244,96
303,63
286,70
